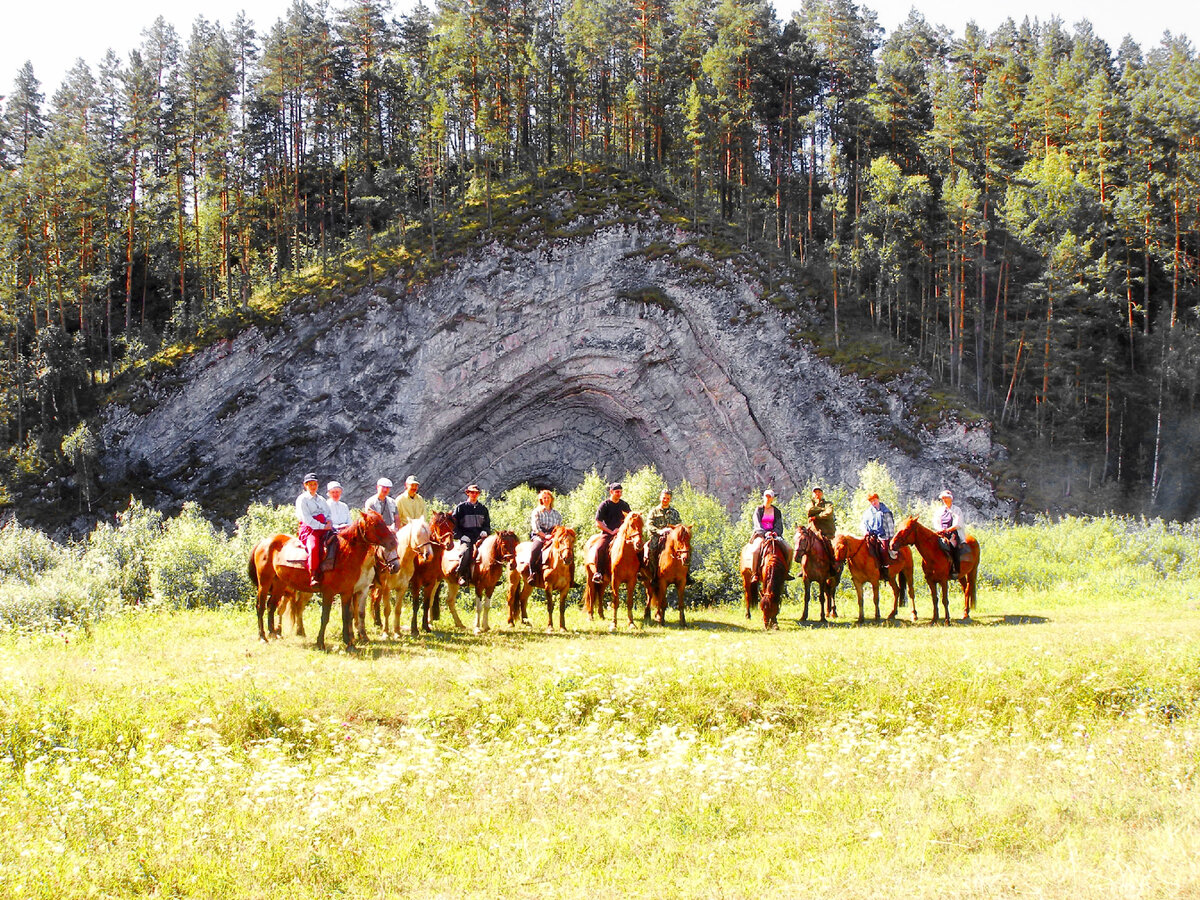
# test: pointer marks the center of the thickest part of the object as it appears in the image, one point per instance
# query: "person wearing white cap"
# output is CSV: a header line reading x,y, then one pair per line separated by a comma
x,y
951,529
382,503
768,520
313,513
339,512
410,505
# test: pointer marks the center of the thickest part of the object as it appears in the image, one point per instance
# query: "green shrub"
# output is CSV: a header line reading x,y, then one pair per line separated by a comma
x,y
26,553
193,565
120,555
61,598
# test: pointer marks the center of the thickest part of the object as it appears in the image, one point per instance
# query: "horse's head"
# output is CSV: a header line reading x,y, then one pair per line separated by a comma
x,y
563,540
905,534
441,529
631,529
418,539
679,543
841,548
372,529
506,545
804,539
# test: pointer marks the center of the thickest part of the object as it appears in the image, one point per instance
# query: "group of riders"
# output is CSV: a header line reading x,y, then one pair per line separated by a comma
x,y
320,518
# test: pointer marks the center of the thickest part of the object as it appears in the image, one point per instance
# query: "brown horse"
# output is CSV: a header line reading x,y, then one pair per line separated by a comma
x,y
494,554
864,570
936,564
428,573
772,571
817,567
672,569
625,560
558,570
273,574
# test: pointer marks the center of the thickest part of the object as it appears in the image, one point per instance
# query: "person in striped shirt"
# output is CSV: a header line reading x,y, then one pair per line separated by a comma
x,y
542,521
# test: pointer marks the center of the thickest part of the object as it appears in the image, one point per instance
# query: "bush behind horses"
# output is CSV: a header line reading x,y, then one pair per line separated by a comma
x,y
146,559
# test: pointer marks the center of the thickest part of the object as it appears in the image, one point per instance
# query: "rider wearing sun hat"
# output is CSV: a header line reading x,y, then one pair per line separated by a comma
x,y
313,513
381,503
951,530
472,522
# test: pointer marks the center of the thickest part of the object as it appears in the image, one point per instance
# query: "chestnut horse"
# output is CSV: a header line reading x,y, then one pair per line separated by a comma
x,y
558,570
817,567
672,569
864,570
936,564
772,570
494,554
428,573
270,571
413,544
625,560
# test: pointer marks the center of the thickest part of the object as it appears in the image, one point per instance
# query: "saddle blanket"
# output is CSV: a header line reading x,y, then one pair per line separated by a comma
x,y
294,554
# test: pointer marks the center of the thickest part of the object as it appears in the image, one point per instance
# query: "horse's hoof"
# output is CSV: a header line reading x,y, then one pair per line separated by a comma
x,y
612,628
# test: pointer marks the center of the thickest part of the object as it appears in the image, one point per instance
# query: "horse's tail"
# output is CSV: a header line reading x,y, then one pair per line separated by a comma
x,y
435,605
252,570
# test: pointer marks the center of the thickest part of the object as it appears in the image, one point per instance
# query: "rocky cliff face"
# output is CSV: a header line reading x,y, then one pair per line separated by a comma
x,y
603,352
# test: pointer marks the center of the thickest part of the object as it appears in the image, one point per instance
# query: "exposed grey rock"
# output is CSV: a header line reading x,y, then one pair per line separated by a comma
x,y
537,367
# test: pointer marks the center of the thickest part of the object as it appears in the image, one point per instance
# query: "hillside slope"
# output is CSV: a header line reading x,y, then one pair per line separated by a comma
x,y
624,346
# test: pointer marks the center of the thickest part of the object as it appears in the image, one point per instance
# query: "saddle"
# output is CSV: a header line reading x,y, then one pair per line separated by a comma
x,y
296,556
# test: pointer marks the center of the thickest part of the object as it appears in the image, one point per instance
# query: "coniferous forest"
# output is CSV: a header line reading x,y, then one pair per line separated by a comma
x,y
1020,209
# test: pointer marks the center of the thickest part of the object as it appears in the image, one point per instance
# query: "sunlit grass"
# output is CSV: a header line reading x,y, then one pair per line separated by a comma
x,y
1049,748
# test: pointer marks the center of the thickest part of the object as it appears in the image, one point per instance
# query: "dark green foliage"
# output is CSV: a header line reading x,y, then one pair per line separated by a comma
x,y
1018,208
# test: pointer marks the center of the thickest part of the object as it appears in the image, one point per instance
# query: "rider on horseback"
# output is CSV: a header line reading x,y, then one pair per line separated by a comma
x,y
821,516
339,512
313,513
609,516
542,522
879,526
410,504
661,520
471,525
768,523
951,530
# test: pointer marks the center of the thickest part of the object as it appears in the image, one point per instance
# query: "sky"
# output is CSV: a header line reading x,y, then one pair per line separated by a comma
x,y
52,34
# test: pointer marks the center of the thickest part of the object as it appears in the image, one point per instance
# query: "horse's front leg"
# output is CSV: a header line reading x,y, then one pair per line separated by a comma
x,y
680,586
348,620
326,602
875,589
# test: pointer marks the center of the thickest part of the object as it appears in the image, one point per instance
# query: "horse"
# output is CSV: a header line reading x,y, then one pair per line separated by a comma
x,y
817,567
672,569
864,570
428,574
413,545
558,570
772,571
494,553
625,561
936,564
272,572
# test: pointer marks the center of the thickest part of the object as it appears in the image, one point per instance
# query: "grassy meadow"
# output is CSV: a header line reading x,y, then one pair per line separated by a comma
x,y
152,747
1049,748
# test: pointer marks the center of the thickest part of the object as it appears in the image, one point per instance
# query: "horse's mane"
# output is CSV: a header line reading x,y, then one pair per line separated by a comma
x,y
772,561
491,549
627,524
